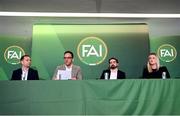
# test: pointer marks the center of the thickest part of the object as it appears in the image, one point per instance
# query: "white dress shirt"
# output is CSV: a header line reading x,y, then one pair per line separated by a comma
x,y
69,70
24,74
113,74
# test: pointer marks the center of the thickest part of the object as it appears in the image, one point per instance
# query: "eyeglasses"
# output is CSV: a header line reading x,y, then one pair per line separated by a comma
x,y
67,57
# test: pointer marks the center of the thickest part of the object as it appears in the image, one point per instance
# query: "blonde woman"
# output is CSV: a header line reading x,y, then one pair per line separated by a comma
x,y
153,70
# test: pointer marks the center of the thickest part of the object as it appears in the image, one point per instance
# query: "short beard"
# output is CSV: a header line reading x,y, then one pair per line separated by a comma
x,y
114,67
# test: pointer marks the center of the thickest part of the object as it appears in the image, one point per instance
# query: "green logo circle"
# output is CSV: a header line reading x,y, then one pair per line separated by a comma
x,y
167,52
92,51
13,54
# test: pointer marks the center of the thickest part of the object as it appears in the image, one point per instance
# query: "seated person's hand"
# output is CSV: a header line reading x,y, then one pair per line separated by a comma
x,y
73,78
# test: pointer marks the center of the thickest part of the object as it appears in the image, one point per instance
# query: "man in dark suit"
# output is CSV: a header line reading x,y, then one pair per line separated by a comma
x,y
113,72
25,72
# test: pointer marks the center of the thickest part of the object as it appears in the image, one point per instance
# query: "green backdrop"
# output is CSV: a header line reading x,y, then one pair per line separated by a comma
x,y
128,42
6,42
174,65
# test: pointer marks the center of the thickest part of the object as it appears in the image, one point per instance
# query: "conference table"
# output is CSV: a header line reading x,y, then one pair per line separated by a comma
x,y
91,97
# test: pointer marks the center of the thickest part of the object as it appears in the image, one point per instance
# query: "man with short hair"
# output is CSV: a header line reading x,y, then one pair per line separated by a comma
x,y
68,71
113,72
25,72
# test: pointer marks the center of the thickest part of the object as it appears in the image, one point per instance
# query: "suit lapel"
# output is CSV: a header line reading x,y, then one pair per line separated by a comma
x,y
20,73
29,73
118,73
63,67
109,72
72,71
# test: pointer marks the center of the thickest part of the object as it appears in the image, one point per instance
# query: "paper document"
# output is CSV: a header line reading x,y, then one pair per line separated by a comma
x,y
64,75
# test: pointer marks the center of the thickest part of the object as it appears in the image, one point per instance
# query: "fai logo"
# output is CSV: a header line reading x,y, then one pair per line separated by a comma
x,y
13,54
167,53
92,51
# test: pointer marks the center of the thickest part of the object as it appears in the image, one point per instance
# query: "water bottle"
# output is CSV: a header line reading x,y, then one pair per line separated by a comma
x,y
163,75
106,76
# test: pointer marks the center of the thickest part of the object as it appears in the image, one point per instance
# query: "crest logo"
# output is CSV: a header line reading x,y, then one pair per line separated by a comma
x,y
167,53
92,51
13,54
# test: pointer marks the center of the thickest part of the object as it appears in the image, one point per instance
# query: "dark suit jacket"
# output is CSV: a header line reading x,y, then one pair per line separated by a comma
x,y
120,75
155,74
32,74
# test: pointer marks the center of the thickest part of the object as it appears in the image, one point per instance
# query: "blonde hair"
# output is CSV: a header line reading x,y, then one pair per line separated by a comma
x,y
157,63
